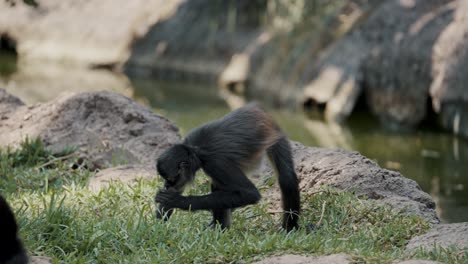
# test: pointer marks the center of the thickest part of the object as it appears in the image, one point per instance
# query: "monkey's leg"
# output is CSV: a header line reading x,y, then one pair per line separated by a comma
x,y
280,155
220,216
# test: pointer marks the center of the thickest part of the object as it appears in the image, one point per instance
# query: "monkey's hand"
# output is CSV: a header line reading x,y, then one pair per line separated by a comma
x,y
164,213
170,199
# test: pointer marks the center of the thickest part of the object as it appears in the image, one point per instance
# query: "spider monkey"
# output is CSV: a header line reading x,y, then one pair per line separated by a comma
x,y
226,149
11,248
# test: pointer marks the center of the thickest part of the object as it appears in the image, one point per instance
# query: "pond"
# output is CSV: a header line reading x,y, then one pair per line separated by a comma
x,y
435,159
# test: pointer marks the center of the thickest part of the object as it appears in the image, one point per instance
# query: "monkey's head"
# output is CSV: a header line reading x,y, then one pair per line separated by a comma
x,y
177,166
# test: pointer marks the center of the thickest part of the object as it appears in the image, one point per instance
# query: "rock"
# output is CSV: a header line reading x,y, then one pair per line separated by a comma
x,y
124,174
443,235
350,171
336,85
331,77
448,89
402,56
40,260
80,32
236,72
311,67
107,128
8,104
298,259
397,72
170,51
331,259
233,80
417,261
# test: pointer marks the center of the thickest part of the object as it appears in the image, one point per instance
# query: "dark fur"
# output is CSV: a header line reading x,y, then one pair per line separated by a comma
x,y
11,248
225,149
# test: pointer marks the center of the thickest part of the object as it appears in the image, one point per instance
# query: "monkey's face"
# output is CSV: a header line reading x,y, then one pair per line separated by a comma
x,y
175,179
175,168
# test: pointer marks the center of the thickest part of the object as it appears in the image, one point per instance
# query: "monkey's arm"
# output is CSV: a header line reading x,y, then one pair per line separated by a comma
x,y
235,190
215,200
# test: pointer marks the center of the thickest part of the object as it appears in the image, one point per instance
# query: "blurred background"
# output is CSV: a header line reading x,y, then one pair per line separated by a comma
x,y
382,77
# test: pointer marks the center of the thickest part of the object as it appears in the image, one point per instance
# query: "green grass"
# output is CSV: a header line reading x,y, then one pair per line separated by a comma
x,y
62,219
33,168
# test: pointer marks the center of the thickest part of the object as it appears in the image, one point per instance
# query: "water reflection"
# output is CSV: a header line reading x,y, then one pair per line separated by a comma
x,y
43,82
436,160
433,158
188,105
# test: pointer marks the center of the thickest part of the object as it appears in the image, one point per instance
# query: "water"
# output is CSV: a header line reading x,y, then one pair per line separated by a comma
x,y
436,160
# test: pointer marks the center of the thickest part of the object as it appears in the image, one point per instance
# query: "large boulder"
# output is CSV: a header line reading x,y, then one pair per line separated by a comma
x,y
98,32
261,50
333,84
197,41
397,72
406,57
350,171
106,127
450,58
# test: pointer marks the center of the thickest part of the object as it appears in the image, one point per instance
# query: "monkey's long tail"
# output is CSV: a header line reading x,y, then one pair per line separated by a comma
x,y
281,157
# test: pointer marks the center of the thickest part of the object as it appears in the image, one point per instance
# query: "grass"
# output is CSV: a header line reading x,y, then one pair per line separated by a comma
x,y
59,217
33,168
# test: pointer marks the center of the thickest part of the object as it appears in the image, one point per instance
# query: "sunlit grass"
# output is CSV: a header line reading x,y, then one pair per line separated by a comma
x,y
72,224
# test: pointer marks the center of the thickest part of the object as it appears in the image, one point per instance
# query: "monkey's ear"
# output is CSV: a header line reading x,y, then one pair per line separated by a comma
x,y
184,165
184,168
186,172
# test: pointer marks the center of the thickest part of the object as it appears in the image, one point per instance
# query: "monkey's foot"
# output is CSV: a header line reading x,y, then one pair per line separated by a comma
x,y
311,228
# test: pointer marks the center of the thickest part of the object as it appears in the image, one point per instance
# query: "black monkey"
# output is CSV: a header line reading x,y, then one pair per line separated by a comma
x,y
11,248
225,149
